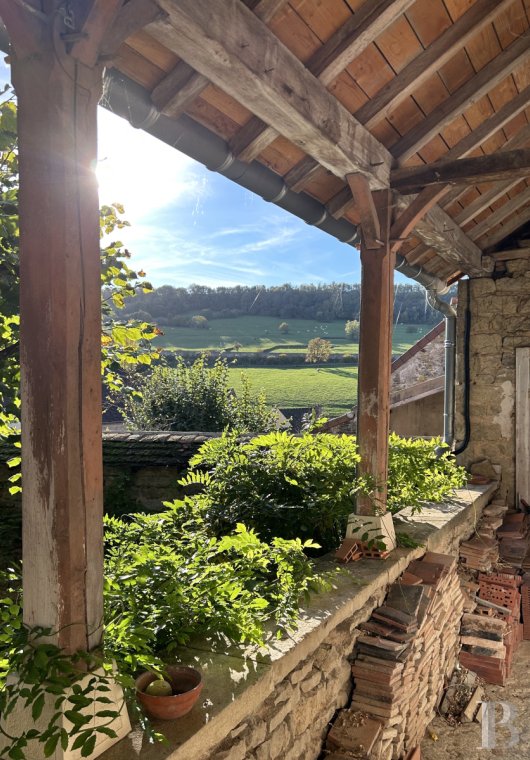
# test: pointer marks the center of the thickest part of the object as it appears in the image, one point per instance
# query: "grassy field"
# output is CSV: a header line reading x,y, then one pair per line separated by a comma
x,y
261,333
332,388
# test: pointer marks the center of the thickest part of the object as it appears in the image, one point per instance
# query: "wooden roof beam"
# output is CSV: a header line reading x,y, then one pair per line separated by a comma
x,y
497,236
346,44
498,216
340,203
494,167
266,9
301,173
474,89
354,37
177,91
101,15
430,60
228,45
440,232
425,200
511,255
131,18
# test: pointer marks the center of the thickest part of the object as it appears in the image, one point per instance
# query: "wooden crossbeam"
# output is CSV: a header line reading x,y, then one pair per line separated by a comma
x,y
487,78
266,9
283,94
131,18
346,44
507,209
177,91
25,26
297,177
511,255
414,213
430,60
252,139
101,16
354,37
497,236
424,201
340,203
494,167
364,202
522,138
438,231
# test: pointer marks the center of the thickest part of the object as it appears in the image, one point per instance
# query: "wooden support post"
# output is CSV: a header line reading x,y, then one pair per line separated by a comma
x,y
60,343
375,358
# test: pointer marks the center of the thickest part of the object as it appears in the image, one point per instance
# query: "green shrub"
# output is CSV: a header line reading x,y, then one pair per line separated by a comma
x,y
279,484
416,474
305,486
352,329
197,397
200,322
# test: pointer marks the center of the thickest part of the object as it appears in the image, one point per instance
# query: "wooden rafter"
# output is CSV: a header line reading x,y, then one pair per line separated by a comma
x,y
487,78
354,37
511,255
297,177
497,236
266,9
494,167
507,209
252,139
418,207
271,82
346,44
177,91
438,231
430,60
340,203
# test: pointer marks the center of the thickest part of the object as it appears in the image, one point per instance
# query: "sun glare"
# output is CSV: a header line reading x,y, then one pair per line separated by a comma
x,y
139,171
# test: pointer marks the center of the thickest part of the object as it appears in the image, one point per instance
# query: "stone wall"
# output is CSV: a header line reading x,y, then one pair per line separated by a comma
x,y
276,703
500,323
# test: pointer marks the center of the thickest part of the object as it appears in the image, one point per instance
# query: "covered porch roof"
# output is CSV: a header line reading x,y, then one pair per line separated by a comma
x,y
429,98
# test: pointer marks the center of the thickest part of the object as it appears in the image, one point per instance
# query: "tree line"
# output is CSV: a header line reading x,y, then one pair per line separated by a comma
x,y
168,305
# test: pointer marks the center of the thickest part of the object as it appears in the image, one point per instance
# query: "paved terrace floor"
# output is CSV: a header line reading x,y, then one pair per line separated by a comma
x,y
464,742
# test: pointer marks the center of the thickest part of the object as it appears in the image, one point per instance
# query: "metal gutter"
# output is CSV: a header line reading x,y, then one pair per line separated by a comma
x,y
128,99
450,356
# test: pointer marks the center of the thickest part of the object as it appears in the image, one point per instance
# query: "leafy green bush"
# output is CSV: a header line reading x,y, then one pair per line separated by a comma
x,y
166,579
417,474
352,329
197,397
305,486
279,484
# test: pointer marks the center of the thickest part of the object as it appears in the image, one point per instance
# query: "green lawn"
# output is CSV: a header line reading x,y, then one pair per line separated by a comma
x,y
333,388
259,333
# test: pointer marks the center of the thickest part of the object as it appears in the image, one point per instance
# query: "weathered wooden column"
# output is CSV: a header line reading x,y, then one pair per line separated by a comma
x,y
375,356
60,342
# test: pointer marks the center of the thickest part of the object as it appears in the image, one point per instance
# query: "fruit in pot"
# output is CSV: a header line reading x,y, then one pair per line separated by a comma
x,y
159,688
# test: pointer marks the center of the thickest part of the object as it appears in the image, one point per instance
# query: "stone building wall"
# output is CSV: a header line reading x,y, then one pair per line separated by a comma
x,y
500,323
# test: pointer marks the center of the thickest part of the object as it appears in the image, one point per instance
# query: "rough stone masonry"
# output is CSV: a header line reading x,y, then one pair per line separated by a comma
x,y
500,323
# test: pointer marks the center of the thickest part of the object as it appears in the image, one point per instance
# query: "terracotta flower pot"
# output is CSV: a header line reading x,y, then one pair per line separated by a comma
x,y
187,686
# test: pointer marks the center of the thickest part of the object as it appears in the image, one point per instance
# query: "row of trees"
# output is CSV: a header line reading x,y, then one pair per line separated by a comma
x,y
172,306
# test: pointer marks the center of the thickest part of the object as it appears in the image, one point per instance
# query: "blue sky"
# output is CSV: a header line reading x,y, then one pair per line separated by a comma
x,y
191,225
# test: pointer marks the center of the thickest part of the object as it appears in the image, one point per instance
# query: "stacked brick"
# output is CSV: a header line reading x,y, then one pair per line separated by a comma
x,y
406,648
490,635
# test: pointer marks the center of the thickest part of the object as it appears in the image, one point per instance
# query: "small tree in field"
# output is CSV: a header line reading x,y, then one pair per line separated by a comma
x,y
283,327
318,350
352,329
199,322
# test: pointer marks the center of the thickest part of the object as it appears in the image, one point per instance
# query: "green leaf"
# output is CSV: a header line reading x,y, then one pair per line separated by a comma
x,y
51,744
37,707
88,747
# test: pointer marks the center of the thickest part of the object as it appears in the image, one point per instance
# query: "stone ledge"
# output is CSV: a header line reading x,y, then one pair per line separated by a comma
x,y
238,681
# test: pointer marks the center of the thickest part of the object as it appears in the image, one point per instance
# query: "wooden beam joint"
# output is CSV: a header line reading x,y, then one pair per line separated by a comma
x,y
364,202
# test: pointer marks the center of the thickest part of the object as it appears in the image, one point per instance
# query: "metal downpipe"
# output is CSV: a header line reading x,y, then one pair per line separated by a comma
x,y
450,349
